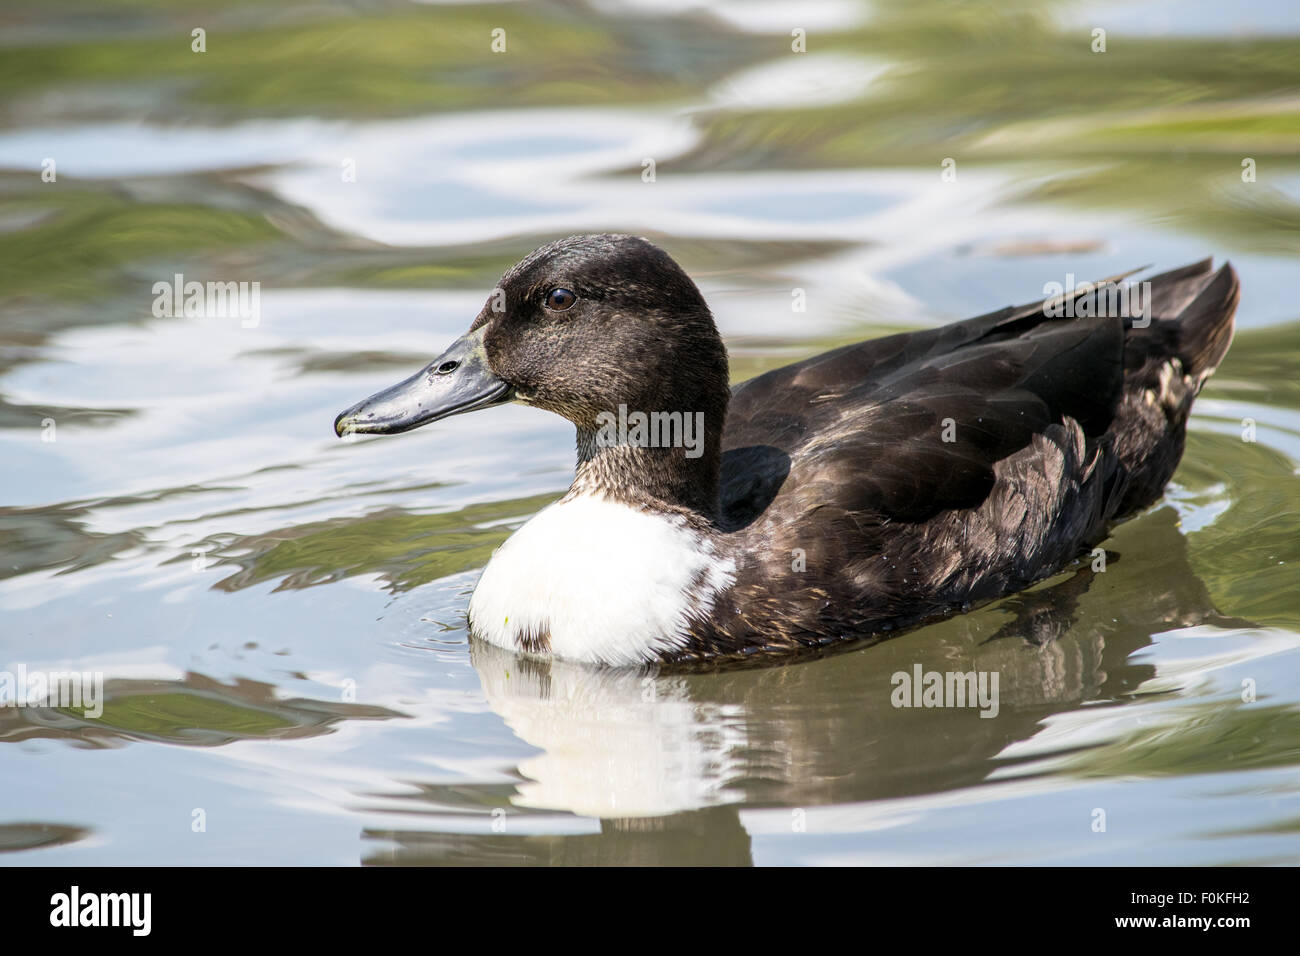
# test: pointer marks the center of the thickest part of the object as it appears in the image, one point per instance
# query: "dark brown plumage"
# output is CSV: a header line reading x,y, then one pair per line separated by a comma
x,y
1061,427
858,492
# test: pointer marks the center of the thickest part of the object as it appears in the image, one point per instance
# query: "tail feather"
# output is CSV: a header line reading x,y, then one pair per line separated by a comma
x,y
1194,307
1166,362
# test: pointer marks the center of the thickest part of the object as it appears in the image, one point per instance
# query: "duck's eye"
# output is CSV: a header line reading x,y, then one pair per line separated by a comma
x,y
557,300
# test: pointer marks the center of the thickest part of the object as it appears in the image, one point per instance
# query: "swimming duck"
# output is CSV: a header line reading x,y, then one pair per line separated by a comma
x,y
847,496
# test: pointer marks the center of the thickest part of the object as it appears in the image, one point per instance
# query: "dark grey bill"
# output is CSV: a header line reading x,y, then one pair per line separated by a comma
x,y
457,381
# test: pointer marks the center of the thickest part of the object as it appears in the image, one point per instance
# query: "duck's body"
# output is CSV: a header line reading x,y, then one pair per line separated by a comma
x,y
852,494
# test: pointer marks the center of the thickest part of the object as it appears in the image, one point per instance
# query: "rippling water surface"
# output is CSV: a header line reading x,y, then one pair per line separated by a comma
x,y
279,616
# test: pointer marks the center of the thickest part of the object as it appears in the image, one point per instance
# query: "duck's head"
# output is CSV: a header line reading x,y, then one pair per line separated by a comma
x,y
580,327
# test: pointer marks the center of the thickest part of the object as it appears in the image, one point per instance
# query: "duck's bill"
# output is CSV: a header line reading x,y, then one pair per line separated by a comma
x,y
457,381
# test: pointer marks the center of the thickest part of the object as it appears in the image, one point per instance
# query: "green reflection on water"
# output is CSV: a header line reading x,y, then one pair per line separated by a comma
x,y
406,550
395,61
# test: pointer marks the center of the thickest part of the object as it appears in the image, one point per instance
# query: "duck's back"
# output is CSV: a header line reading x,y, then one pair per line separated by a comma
x,y
905,477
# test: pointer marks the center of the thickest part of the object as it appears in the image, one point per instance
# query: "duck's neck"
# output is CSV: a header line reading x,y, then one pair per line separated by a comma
x,y
677,476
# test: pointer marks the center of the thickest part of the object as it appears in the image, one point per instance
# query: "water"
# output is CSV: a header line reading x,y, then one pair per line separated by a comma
x,y
279,616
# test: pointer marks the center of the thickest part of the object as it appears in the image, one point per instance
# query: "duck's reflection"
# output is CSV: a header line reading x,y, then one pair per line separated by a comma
x,y
676,754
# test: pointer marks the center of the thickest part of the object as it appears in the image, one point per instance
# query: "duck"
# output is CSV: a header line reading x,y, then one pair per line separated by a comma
x,y
847,497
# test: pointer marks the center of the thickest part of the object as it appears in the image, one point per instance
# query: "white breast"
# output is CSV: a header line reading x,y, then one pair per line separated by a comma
x,y
609,583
